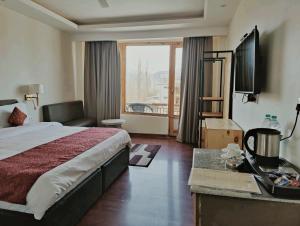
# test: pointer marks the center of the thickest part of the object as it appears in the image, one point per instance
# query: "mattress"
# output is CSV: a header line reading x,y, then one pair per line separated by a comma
x,y
53,185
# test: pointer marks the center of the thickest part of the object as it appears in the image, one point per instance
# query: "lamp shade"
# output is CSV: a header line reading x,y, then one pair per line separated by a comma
x,y
34,88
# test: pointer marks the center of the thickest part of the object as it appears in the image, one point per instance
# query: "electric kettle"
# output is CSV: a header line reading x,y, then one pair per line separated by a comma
x,y
266,146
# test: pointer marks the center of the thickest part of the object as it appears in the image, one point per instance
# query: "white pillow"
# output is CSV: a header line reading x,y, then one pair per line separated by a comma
x,y
6,110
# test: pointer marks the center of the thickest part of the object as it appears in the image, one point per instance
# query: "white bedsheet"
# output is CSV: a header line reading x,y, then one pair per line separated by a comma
x,y
53,185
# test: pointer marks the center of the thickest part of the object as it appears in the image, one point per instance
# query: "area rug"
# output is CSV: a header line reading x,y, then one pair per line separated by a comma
x,y
142,154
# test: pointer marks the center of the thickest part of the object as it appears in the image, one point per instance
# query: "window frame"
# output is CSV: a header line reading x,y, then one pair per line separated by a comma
x,y
172,55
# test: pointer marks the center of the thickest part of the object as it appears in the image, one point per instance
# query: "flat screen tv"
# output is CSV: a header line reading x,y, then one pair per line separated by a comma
x,y
247,64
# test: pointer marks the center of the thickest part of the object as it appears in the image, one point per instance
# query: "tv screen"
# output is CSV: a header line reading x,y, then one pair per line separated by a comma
x,y
246,67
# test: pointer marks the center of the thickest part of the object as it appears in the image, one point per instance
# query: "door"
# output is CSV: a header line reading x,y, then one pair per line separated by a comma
x,y
151,76
174,87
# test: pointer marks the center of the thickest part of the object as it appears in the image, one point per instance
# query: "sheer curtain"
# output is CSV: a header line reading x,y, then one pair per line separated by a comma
x,y
102,80
192,57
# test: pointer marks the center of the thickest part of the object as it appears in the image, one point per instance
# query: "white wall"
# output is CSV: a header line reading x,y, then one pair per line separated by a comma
x,y
219,43
146,124
150,34
32,52
78,68
278,22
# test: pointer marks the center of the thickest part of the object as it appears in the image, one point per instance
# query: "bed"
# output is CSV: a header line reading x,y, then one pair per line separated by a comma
x,y
62,195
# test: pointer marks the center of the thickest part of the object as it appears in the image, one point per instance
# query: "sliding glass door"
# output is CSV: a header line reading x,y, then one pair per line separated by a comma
x,y
174,91
151,76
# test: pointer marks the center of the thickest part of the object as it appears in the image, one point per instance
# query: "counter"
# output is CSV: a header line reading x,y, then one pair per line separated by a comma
x,y
229,208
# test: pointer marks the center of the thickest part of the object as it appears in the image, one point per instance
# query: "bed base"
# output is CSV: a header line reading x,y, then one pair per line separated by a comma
x,y
71,208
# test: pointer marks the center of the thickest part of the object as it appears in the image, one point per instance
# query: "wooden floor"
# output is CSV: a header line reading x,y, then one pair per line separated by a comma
x,y
153,196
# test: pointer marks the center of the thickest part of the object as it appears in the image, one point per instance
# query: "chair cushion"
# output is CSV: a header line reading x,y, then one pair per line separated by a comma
x,y
84,122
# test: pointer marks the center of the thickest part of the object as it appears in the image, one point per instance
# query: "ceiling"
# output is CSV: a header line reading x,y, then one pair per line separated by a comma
x,y
190,17
84,12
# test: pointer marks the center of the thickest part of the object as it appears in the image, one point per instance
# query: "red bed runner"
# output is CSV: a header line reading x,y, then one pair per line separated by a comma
x,y
19,172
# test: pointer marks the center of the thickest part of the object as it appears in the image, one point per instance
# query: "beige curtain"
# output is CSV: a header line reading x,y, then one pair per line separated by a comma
x,y
102,82
192,57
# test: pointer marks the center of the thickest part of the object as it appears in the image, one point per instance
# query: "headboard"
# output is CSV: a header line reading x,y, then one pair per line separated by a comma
x,y
7,102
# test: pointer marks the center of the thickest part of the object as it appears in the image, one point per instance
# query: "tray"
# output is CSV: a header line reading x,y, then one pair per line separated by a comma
x,y
273,189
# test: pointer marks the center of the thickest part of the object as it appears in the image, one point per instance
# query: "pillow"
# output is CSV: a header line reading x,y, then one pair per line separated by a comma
x,y
6,110
17,117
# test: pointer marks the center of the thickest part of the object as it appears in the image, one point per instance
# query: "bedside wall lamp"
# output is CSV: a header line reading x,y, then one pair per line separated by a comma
x,y
32,93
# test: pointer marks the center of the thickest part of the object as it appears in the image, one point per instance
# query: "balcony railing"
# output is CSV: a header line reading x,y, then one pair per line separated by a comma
x,y
151,108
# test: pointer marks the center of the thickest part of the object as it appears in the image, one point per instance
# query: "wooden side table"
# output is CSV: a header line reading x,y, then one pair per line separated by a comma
x,y
218,133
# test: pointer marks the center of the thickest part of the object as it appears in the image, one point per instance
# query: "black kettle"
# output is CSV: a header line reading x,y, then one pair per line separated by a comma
x,y
266,146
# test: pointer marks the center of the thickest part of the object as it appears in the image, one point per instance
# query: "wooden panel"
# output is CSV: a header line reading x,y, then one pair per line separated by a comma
x,y
212,98
203,137
226,124
221,138
228,211
212,114
171,88
142,113
196,207
203,134
221,132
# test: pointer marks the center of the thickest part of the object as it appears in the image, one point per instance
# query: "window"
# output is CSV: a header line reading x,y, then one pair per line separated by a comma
x,y
178,61
151,77
147,79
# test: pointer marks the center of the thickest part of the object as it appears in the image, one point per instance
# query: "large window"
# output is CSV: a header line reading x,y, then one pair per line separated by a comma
x,y
147,79
178,60
151,77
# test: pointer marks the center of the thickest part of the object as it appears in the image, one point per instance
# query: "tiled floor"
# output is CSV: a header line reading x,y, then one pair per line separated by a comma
x,y
153,196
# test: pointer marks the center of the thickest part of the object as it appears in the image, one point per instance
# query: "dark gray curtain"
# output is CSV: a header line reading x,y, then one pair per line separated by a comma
x,y
192,57
102,80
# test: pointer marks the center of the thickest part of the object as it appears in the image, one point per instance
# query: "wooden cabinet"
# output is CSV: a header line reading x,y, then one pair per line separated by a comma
x,y
218,133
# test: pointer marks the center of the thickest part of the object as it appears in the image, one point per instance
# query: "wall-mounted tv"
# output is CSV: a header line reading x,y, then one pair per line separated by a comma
x,y
247,64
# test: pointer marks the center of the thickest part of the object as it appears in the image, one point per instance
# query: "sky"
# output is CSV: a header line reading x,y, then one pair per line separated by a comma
x,y
157,57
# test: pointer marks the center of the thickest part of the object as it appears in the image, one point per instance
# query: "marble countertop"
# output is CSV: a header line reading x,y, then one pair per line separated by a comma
x,y
211,159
